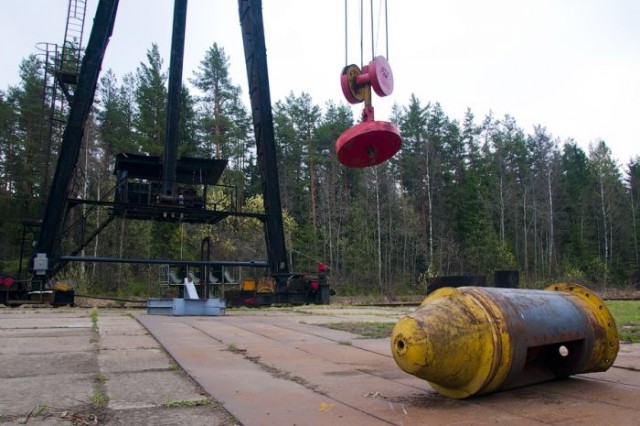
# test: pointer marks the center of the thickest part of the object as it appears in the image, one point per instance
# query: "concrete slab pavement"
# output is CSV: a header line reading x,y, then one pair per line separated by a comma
x,y
260,367
59,368
278,368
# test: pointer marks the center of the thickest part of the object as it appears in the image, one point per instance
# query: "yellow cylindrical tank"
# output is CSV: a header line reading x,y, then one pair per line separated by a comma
x,y
474,340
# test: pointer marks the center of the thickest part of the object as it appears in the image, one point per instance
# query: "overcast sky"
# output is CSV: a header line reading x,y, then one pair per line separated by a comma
x,y
570,65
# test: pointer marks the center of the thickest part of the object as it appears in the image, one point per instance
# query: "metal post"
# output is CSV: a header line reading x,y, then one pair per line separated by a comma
x,y
54,214
258,76
205,254
169,158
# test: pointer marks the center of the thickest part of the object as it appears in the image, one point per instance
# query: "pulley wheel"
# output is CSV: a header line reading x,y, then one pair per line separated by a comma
x,y
381,76
368,144
353,92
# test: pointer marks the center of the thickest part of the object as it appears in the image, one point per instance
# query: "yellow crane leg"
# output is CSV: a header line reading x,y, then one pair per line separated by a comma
x,y
474,340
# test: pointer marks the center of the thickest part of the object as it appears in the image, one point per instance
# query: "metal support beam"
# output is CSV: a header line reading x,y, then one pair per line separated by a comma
x,y
257,73
55,211
172,125
249,263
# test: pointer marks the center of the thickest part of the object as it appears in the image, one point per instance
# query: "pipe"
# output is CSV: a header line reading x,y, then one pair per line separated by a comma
x,y
247,263
472,340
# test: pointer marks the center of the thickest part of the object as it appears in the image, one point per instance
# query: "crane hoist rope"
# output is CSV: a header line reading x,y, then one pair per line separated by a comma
x,y
370,142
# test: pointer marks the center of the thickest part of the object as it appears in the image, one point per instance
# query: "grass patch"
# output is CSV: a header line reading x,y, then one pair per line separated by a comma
x,y
630,333
101,378
99,397
235,349
369,329
186,403
94,318
40,410
627,316
95,334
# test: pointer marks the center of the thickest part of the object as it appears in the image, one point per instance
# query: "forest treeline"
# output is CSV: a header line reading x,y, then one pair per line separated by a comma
x,y
461,197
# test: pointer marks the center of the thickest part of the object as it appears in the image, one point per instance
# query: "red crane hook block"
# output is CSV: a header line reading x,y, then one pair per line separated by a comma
x,y
370,142
377,74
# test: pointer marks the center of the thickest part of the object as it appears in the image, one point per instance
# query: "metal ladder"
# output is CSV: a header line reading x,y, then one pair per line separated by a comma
x,y
70,57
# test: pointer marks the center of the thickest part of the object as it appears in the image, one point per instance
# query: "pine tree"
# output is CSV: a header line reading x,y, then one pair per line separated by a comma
x,y
332,178
114,115
188,130
413,167
544,164
295,120
573,221
11,148
223,121
32,124
223,126
11,175
605,205
151,100
633,191
305,117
